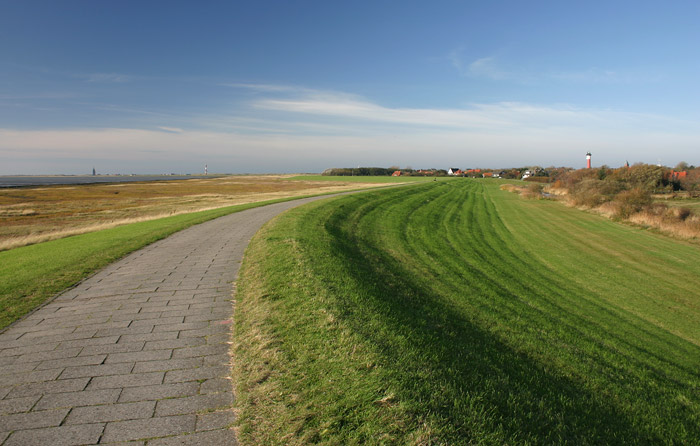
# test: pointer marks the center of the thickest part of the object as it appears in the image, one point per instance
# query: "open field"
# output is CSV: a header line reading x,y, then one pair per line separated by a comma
x,y
367,179
457,313
690,203
33,215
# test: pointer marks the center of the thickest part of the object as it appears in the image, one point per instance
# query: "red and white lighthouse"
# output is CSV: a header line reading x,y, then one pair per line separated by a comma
x,y
588,160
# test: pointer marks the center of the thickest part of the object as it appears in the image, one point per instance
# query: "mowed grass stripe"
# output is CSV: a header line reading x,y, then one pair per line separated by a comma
x,y
457,313
650,271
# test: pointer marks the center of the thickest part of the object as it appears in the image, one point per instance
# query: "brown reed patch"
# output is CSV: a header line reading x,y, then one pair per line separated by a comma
x,y
33,215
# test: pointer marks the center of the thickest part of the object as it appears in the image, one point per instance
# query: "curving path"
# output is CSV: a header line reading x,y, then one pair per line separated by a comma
x,y
137,353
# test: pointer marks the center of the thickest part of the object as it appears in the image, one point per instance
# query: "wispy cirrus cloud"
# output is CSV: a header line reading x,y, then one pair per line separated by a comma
x,y
266,88
301,129
106,77
505,117
486,67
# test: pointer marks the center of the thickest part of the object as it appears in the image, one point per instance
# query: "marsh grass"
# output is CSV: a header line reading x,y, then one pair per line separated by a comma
x,y
457,313
33,215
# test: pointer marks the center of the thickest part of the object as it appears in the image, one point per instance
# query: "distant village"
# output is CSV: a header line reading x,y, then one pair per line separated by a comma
x,y
682,177
513,173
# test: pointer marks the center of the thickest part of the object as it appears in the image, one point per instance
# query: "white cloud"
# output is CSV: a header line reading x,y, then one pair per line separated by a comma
x,y
487,67
171,129
311,130
107,77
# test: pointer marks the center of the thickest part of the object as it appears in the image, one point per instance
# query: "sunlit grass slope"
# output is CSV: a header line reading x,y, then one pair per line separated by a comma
x,y
457,313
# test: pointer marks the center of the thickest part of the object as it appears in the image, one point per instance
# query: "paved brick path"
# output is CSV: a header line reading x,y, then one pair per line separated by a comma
x,y
138,353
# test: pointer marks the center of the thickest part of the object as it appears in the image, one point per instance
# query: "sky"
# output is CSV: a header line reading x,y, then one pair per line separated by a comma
x,y
300,86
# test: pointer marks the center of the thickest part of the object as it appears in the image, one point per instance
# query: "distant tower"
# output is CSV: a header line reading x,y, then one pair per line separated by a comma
x,y
588,160
93,172
206,169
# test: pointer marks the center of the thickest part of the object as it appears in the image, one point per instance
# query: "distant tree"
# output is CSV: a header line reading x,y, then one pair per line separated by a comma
x,y
681,166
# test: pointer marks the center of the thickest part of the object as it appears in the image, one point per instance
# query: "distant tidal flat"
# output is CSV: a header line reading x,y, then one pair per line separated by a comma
x,y
49,180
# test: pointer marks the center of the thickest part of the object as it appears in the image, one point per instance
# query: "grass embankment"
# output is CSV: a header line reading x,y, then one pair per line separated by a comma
x,y
457,313
366,179
31,274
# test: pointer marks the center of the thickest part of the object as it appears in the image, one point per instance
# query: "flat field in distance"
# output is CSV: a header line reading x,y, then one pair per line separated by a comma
x,y
457,313
366,179
35,214
691,203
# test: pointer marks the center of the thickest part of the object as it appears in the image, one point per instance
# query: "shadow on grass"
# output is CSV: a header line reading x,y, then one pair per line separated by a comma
x,y
458,377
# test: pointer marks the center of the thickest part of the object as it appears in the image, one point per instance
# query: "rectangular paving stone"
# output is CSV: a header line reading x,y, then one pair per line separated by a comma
x,y
130,380
174,376
148,337
174,343
207,331
192,404
221,359
180,327
28,349
77,399
123,347
15,405
63,385
60,338
150,355
157,392
166,307
17,367
149,428
57,353
111,324
97,370
220,419
31,377
32,420
133,316
215,385
158,321
44,333
90,342
221,437
111,412
71,362
125,331
57,436
169,364
203,350
219,338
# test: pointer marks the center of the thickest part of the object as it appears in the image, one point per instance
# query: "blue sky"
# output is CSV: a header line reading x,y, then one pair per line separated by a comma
x,y
279,86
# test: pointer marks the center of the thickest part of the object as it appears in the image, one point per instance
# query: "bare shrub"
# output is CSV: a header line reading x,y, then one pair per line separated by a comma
x,y
680,213
589,193
533,191
632,201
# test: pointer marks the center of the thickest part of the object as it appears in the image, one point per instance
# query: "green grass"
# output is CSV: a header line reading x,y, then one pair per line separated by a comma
x,y
32,274
691,203
457,313
366,179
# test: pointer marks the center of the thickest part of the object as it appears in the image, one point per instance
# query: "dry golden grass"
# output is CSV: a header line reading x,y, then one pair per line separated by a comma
x,y
34,215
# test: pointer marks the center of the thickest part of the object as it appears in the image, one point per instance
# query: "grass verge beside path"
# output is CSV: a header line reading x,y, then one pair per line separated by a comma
x,y
456,313
32,274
